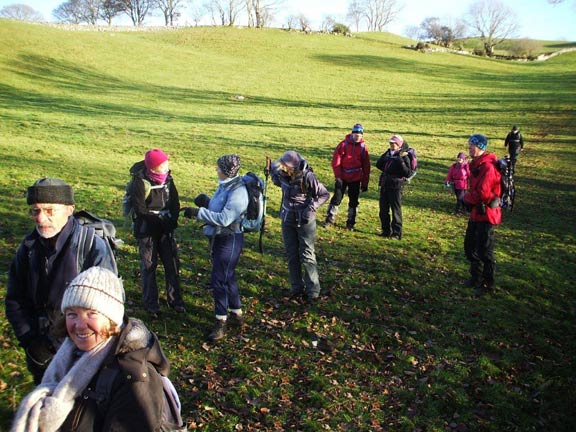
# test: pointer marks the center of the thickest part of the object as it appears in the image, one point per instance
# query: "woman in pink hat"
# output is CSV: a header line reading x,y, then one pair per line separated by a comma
x,y
458,177
156,208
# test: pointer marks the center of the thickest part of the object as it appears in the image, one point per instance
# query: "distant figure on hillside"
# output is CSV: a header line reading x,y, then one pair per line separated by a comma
x,y
47,260
351,166
458,177
222,217
395,167
302,195
156,208
515,144
485,213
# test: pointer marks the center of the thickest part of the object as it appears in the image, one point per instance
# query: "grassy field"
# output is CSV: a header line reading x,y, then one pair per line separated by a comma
x,y
413,350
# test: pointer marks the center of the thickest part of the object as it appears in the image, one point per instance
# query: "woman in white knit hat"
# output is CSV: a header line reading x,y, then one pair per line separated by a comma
x,y
107,373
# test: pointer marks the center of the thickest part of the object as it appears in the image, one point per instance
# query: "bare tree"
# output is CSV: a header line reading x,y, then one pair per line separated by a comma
x,y
354,14
304,23
110,9
69,12
137,9
217,11
197,13
261,12
291,22
379,13
328,24
493,21
20,12
170,10
90,11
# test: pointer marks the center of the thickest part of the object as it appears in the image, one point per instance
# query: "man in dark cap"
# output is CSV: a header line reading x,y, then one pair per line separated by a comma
x,y
55,252
515,144
351,166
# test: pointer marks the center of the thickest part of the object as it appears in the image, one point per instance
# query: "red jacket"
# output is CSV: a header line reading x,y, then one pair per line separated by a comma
x,y
459,174
351,161
484,188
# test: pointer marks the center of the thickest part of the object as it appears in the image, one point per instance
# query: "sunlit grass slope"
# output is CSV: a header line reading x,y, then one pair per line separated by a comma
x,y
413,349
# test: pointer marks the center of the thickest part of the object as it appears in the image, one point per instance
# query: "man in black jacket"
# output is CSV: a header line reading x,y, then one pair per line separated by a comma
x,y
46,261
515,144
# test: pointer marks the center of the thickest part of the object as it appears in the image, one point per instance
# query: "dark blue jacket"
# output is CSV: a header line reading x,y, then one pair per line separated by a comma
x,y
39,275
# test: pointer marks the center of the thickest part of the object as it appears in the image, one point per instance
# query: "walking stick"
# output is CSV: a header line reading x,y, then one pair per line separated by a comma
x,y
266,175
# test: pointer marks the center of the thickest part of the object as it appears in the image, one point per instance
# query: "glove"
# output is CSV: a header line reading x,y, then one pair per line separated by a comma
x,y
164,214
202,200
190,212
364,188
447,184
339,182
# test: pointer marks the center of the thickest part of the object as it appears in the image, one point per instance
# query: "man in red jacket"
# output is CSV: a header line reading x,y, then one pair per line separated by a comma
x,y
484,201
351,166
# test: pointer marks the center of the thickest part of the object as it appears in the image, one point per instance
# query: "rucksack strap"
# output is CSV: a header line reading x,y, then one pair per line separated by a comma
x,y
85,241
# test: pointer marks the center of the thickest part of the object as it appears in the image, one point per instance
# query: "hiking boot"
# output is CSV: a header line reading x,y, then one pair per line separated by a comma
x,y
235,320
218,331
349,227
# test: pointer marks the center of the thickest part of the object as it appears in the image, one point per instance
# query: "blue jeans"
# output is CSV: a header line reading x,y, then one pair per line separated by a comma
x,y
226,250
299,246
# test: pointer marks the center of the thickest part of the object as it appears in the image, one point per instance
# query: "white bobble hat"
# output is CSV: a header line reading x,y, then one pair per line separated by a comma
x,y
98,289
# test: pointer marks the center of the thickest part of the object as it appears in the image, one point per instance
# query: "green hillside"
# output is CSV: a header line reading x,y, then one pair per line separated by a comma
x,y
414,350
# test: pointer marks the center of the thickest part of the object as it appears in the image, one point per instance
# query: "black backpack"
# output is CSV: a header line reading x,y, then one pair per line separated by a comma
x,y
507,188
94,226
171,417
256,211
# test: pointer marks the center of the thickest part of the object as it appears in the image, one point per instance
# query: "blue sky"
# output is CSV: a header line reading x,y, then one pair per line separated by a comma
x,y
537,18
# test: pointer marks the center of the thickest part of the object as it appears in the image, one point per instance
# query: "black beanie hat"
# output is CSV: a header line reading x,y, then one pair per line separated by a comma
x,y
229,164
50,191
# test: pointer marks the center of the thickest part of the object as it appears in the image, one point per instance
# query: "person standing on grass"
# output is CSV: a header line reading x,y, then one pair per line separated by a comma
x,y
458,176
222,216
156,208
395,167
46,261
101,345
515,144
351,166
302,195
485,213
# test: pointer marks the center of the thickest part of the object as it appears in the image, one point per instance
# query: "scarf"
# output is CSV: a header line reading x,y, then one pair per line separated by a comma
x,y
45,409
157,177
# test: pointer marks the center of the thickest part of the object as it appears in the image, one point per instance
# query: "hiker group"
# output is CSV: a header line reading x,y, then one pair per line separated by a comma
x,y
96,368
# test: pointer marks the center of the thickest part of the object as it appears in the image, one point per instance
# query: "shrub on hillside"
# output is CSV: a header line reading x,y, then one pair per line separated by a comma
x,y
524,48
340,29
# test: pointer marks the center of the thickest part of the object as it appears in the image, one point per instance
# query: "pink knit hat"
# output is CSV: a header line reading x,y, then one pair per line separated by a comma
x,y
397,139
154,158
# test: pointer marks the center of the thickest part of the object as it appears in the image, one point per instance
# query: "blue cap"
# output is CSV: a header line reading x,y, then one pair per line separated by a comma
x,y
479,141
358,128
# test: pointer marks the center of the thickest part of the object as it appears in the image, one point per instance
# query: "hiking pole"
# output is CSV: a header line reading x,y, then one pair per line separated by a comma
x,y
266,175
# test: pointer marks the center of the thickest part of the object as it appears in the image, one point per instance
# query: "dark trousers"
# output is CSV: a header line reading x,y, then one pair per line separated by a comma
x,y
151,248
391,200
479,250
226,250
460,207
339,191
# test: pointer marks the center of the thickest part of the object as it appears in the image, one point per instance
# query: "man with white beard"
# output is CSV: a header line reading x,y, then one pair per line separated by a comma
x,y
54,253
